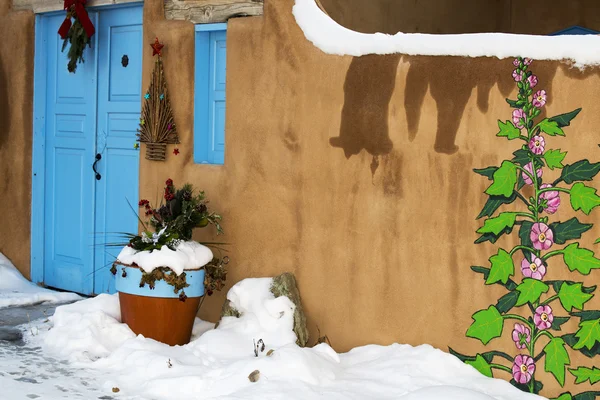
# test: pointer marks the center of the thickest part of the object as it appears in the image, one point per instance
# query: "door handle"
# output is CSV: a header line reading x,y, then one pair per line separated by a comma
x,y
98,158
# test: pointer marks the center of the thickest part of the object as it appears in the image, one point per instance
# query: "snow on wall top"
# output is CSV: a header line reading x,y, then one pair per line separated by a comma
x,y
332,38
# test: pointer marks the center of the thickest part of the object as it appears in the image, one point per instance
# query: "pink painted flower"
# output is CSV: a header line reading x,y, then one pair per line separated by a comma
x,y
533,269
517,76
527,61
516,62
552,199
537,144
539,98
533,81
521,335
543,317
523,368
529,168
541,235
517,115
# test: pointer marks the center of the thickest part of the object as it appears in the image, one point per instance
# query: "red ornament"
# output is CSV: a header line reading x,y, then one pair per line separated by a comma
x,y
156,47
176,151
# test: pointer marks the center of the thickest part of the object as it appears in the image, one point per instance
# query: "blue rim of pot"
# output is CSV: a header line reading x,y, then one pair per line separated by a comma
x,y
128,278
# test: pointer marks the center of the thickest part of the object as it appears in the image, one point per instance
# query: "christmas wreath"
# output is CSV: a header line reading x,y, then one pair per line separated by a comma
x,y
78,33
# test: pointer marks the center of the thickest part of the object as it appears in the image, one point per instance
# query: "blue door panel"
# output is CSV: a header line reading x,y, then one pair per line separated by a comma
x,y
119,96
69,142
95,110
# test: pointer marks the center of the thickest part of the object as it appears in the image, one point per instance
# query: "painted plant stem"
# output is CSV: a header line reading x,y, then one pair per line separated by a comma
x,y
537,318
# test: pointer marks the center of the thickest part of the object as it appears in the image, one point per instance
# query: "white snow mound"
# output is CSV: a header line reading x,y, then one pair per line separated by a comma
x,y
218,362
332,38
187,255
15,290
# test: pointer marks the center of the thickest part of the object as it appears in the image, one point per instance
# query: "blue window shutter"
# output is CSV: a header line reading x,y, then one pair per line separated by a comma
x,y
209,104
575,30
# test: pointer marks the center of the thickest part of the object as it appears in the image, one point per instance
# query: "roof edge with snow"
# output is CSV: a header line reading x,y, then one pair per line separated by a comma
x,y
332,38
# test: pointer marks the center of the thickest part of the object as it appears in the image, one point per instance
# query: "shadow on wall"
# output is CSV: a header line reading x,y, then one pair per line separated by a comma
x,y
4,107
370,84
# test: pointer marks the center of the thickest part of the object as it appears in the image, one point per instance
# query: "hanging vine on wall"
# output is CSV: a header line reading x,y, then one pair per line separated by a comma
x,y
157,126
77,33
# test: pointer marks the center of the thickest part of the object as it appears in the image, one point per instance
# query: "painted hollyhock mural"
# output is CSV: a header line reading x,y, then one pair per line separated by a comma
x,y
534,308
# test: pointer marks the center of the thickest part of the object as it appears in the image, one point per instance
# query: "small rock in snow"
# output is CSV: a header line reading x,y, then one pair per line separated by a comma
x,y
254,376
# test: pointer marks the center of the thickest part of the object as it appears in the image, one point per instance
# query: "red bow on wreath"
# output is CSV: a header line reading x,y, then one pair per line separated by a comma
x,y
76,7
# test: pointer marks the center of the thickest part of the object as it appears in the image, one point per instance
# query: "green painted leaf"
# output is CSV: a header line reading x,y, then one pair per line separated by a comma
x,y
551,128
505,179
510,284
597,241
554,158
580,171
557,322
568,230
508,130
557,359
524,235
487,325
592,395
499,223
508,301
581,260
584,198
588,334
587,315
512,103
493,203
565,119
521,157
530,291
571,340
571,296
491,237
564,396
583,374
502,268
537,386
481,365
487,172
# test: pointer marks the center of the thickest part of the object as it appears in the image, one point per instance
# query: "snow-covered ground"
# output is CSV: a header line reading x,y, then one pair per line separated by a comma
x,y
101,358
332,38
18,291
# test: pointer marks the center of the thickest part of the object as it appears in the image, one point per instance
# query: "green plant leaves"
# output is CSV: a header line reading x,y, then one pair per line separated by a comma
x,y
565,119
557,358
571,296
508,301
487,325
550,127
581,260
524,235
588,334
564,396
487,172
568,230
554,158
505,179
584,198
521,157
481,365
557,322
583,374
530,291
502,268
508,130
509,285
580,171
493,203
499,223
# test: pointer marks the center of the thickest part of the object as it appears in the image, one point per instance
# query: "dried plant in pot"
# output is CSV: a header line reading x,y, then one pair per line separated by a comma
x,y
162,276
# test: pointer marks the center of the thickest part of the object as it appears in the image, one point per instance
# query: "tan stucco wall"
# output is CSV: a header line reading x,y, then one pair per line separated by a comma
x,y
16,116
356,175
464,16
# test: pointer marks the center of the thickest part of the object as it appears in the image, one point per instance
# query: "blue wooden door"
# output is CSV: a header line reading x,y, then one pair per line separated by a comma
x,y
119,96
92,112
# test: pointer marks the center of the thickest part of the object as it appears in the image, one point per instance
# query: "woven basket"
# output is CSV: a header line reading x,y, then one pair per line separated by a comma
x,y
156,151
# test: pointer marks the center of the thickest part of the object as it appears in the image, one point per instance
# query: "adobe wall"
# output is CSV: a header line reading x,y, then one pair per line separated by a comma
x,y
538,17
356,174
16,124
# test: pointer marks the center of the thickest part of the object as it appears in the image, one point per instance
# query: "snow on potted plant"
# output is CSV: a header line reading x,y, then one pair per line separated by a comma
x,y
161,276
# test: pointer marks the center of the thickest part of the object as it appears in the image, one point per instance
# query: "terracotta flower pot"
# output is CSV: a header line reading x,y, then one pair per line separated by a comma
x,y
159,313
